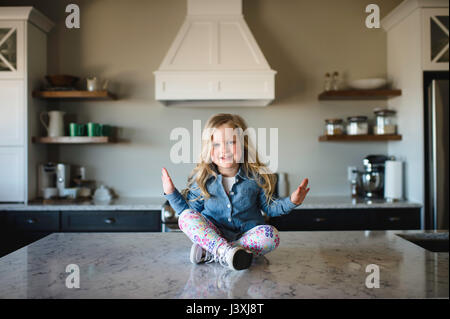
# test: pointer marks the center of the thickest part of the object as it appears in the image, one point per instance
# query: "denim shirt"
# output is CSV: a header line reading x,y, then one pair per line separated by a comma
x,y
232,214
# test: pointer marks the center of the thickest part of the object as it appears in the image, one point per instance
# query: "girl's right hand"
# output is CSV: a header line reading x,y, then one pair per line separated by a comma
x,y
168,186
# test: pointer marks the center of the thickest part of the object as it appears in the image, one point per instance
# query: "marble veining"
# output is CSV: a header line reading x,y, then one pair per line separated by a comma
x,y
156,265
346,202
121,203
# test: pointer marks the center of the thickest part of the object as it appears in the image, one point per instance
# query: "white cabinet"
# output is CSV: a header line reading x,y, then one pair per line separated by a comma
x,y
435,49
12,173
12,113
23,50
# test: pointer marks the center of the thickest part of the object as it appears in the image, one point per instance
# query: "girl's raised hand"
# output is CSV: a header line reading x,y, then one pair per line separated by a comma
x,y
168,186
299,194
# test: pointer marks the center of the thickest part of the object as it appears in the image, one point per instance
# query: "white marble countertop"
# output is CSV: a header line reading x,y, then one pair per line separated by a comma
x,y
155,203
121,203
346,202
156,265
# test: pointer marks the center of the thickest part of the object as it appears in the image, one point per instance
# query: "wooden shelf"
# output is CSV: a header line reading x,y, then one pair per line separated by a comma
x,y
359,95
350,138
73,140
78,95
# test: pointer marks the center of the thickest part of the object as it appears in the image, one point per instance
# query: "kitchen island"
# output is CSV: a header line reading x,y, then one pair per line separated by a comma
x,y
156,265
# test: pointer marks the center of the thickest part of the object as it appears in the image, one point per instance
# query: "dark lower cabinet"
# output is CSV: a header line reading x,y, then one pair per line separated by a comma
x,y
110,221
23,228
345,219
33,221
320,220
402,219
18,228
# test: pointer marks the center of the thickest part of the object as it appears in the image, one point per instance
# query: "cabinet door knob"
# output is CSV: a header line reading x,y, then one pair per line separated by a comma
x,y
394,219
110,220
31,220
319,219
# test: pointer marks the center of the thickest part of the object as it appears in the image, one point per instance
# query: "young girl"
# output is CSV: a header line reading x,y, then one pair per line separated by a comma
x,y
220,211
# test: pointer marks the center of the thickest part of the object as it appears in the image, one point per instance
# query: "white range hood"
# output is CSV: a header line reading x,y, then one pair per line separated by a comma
x,y
214,60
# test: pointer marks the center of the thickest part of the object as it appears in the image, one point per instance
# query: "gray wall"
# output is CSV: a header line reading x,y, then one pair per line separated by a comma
x,y
125,41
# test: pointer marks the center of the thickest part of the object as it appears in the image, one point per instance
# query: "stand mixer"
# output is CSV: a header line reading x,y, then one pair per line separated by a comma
x,y
371,180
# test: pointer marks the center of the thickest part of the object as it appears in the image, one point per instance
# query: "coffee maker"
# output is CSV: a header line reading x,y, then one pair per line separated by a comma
x,y
62,178
54,176
46,177
372,178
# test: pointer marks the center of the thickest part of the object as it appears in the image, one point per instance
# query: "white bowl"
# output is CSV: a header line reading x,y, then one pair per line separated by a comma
x,y
368,84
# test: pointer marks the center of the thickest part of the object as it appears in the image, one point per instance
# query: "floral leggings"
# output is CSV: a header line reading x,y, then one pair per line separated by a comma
x,y
260,240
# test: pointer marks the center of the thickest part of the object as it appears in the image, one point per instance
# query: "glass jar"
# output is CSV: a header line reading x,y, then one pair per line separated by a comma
x,y
336,81
385,122
327,82
357,125
334,127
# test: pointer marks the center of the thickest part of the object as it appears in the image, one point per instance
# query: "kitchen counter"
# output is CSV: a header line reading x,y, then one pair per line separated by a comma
x,y
346,202
156,265
121,203
155,203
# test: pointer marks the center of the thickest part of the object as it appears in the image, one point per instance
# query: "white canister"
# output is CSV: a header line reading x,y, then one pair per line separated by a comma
x,y
393,180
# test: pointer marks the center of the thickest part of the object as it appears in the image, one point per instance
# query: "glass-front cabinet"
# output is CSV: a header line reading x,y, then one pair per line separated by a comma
x,y
11,49
23,65
435,39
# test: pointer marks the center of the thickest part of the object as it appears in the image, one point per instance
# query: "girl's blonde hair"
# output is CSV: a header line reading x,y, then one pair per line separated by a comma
x,y
251,165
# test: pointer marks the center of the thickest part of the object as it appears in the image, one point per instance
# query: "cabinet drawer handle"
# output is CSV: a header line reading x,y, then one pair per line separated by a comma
x,y
394,219
31,221
110,220
319,219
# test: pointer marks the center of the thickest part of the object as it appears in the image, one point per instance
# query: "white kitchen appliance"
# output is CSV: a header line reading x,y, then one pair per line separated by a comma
x,y
437,151
46,177
62,178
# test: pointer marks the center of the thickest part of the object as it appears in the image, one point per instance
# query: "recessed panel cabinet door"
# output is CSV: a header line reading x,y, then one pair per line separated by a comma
x,y
12,183
12,113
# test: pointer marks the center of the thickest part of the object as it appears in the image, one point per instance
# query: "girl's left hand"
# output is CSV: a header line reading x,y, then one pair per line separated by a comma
x,y
299,194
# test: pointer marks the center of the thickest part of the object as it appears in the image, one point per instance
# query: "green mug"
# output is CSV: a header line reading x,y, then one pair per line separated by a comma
x,y
94,129
106,130
76,129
